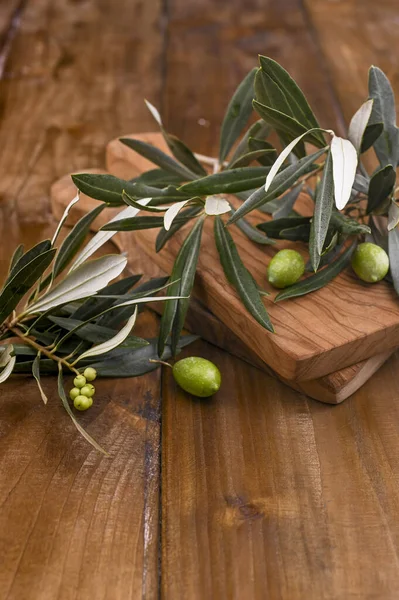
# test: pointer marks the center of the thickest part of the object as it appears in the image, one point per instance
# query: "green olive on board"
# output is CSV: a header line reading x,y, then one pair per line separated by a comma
x,y
285,268
370,262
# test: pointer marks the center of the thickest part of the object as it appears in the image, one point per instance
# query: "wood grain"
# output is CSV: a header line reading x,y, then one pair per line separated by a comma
x,y
75,524
269,495
344,323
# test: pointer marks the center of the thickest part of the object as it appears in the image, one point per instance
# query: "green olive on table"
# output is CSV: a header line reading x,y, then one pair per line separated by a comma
x,y
370,262
285,268
82,402
197,376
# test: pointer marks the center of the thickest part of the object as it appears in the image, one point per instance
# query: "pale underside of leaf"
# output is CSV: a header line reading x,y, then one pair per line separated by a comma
x,y
36,375
8,369
344,157
216,205
112,343
64,217
358,124
85,281
172,213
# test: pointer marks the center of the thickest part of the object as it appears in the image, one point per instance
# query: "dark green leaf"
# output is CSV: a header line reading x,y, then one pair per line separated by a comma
x,y
137,362
239,276
136,223
186,253
186,283
371,134
258,130
381,186
386,145
275,78
96,334
94,306
282,182
183,154
300,233
130,201
361,184
274,227
75,240
64,400
319,279
237,114
280,121
228,182
26,258
285,204
246,159
159,158
267,159
183,218
18,253
322,213
159,178
104,187
347,226
22,281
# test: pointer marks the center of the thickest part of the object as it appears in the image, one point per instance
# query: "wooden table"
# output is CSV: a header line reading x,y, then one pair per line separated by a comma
x,y
258,492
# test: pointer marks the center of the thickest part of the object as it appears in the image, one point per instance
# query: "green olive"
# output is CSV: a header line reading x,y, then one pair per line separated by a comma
x,y
74,392
79,381
197,376
82,402
90,373
87,390
285,268
370,262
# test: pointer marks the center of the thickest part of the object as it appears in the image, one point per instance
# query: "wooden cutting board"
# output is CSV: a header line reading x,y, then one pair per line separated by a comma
x,y
332,388
342,324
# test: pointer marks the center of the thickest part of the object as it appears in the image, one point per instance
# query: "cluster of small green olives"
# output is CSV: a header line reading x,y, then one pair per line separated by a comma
x,y
369,261
83,392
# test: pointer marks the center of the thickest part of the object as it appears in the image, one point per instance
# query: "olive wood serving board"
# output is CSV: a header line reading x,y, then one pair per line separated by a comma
x,y
332,388
339,325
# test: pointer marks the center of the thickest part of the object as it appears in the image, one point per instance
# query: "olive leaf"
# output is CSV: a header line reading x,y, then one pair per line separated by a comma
x,y
227,182
344,164
19,284
284,205
239,276
281,183
371,134
18,253
237,114
322,213
257,131
91,332
247,159
216,205
159,178
252,233
276,79
74,240
84,281
64,217
113,342
276,227
319,279
386,145
93,306
269,157
381,185
176,146
358,124
172,213
393,216
36,375
346,225
9,367
26,258
183,218
104,187
156,156
182,278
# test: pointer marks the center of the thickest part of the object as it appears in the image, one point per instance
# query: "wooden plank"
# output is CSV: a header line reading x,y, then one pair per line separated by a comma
x,y
74,523
268,495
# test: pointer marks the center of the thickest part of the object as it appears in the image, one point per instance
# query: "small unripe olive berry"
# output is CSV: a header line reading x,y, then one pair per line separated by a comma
x,y
74,392
197,376
79,381
370,262
87,390
82,402
285,268
90,373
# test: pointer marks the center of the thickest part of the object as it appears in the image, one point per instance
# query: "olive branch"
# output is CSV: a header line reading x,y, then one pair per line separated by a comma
x,y
189,187
76,318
